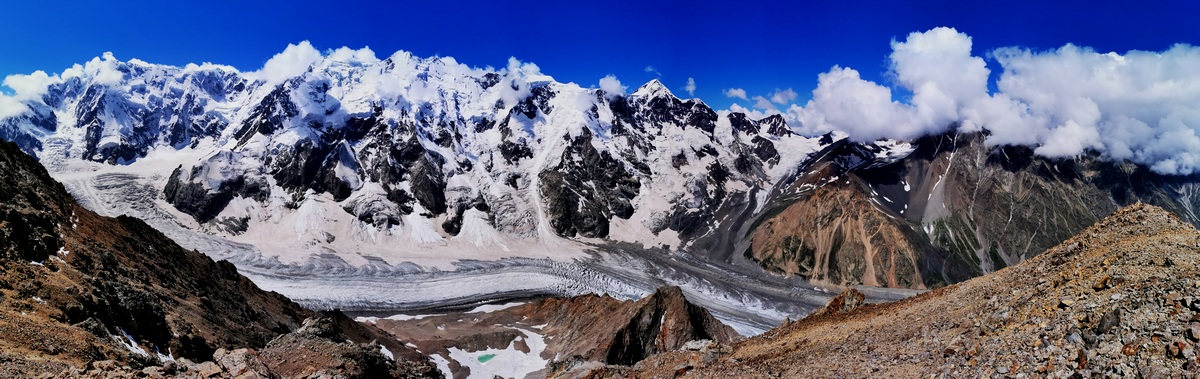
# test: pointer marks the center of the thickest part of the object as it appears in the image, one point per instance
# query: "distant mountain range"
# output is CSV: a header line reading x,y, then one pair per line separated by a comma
x,y
409,157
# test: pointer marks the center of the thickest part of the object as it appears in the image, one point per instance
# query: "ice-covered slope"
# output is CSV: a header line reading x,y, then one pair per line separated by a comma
x,y
407,159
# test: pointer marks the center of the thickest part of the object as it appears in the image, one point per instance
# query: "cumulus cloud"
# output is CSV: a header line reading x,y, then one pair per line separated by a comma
x,y
735,93
936,65
515,66
863,109
361,56
753,114
292,62
10,107
24,88
783,96
611,86
651,69
763,103
1142,106
32,86
100,70
690,87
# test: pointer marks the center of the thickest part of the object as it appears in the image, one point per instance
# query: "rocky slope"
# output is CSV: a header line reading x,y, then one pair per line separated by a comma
x,y
76,287
560,336
950,209
837,234
1116,300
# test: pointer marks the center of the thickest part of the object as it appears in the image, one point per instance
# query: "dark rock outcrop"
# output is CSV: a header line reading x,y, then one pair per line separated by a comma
x,y
332,345
587,189
665,321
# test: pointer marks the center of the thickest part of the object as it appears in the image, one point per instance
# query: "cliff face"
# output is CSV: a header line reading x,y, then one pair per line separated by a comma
x,y
1113,301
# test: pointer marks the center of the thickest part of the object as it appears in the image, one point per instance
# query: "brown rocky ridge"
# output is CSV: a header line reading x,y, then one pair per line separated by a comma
x,y
579,333
953,209
83,295
1120,299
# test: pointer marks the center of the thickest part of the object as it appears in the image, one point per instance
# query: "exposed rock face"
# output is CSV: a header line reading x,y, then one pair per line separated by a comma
x,y
837,235
1114,301
665,321
76,287
587,189
576,331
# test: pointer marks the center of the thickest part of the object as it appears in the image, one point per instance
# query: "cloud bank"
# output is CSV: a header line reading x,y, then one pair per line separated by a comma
x,y
1141,106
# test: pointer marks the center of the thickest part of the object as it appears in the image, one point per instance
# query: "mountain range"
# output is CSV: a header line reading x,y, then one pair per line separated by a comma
x,y
354,157
425,185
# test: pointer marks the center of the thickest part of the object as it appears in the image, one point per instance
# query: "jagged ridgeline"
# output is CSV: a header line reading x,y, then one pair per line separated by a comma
x,y
357,155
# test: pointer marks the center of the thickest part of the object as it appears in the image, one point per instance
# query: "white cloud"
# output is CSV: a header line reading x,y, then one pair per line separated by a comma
x,y
103,71
753,114
361,56
516,73
1069,139
735,93
863,109
10,107
25,88
763,103
294,61
651,69
690,87
515,66
937,66
783,96
611,86
32,86
1142,106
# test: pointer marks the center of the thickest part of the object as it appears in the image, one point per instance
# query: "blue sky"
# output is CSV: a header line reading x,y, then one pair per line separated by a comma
x,y
758,46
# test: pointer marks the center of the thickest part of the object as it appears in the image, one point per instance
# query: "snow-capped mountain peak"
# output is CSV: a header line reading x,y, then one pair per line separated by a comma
x,y
652,89
406,151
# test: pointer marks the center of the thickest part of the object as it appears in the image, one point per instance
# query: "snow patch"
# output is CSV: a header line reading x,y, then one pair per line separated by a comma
x,y
442,364
508,362
489,308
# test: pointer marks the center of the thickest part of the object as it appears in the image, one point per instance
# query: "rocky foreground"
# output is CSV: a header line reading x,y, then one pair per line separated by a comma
x,y
1121,299
561,336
